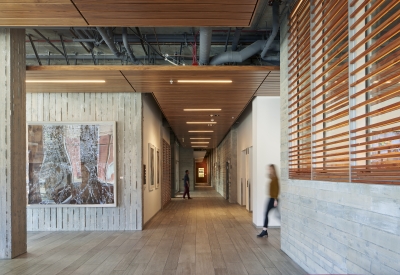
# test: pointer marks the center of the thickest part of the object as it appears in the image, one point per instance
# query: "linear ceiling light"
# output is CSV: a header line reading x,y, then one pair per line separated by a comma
x,y
65,81
200,146
200,138
204,81
200,142
202,110
201,131
200,122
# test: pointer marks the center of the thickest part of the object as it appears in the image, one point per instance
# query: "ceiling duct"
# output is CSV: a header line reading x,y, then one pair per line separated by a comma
x,y
205,45
127,47
108,41
258,46
81,35
236,38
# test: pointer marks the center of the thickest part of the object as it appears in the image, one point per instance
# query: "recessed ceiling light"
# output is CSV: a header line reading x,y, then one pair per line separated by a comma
x,y
201,131
202,110
204,81
200,142
65,81
200,122
200,138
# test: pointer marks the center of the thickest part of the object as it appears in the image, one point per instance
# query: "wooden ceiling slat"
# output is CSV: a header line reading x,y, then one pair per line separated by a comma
x,y
112,15
193,2
162,7
169,22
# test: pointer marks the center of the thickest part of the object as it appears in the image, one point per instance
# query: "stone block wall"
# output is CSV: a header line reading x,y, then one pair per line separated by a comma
x,y
333,227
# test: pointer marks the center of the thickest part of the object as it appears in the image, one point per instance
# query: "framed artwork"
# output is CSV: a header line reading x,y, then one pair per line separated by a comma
x,y
158,169
71,164
151,167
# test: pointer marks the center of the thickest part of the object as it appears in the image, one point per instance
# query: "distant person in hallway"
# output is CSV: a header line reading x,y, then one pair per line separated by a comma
x,y
273,201
186,184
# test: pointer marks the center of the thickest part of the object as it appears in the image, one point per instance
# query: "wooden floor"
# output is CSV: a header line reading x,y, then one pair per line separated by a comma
x,y
198,236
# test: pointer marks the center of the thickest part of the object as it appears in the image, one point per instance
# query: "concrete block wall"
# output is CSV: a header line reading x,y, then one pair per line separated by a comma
x,y
186,162
333,227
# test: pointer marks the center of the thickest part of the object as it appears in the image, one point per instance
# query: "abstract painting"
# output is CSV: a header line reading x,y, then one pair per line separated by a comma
x,y
151,166
71,164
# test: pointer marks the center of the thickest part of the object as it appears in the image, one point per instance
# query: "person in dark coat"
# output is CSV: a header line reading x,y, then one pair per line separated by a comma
x,y
186,184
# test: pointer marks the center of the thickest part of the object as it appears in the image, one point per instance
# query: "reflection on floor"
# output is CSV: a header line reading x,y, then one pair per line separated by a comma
x,y
202,192
202,184
199,236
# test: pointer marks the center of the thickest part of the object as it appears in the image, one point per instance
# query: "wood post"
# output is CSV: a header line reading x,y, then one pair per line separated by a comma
x,y
12,143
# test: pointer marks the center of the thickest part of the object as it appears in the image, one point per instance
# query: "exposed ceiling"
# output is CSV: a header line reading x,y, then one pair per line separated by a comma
x,y
159,32
171,95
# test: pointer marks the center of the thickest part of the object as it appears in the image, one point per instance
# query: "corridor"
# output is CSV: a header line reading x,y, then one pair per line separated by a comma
x,y
205,235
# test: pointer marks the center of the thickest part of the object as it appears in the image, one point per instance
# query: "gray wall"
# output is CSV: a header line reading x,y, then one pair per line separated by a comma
x,y
124,108
331,227
226,152
186,162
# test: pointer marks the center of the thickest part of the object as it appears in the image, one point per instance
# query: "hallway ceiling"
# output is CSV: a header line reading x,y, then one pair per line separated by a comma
x,y
231,98
159,32
138,13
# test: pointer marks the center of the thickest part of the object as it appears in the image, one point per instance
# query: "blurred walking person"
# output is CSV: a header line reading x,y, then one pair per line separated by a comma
x,y
273,201
186,184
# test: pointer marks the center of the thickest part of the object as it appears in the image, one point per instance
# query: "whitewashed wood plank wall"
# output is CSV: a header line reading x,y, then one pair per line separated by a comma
x,y
126,109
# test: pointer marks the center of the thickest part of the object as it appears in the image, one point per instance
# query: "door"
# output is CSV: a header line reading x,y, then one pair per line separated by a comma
x,y
249,169
228,180
201,172
242,189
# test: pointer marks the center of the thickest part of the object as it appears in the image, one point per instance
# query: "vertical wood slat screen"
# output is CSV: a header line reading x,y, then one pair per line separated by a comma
x,y
300,94
330,104
375,91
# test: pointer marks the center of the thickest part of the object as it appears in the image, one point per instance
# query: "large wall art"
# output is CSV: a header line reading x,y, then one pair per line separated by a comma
x,y
71,164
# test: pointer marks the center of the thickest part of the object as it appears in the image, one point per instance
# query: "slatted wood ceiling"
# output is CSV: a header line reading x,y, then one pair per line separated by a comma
x,y
95,107
172,98
140,13
375,93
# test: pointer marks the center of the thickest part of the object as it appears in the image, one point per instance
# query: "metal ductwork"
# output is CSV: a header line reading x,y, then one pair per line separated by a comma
x,y
108,41
258,46
236,38
275,28
127,47
81,35
242,55
205,45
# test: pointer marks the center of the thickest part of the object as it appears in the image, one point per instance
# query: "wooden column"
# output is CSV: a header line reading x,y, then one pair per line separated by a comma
x,y
12,143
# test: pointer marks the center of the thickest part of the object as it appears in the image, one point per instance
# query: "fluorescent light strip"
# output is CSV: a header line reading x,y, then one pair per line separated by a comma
x,y
65,81
200,142
201,131
204,81
199,146
200,138
202,122
202,110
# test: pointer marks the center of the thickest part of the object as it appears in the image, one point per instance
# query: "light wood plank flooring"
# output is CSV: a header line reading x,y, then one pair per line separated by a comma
x,y
199,236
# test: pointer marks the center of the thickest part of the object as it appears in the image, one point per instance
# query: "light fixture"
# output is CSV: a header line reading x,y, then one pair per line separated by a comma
x,y
202,110
200,122
200,142
65,81
201,131
204,81
199,146
200,138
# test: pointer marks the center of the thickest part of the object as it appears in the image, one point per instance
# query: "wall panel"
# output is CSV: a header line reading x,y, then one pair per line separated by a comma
x,y
124,108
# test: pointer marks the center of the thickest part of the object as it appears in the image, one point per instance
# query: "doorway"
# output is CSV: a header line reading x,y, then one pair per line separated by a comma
x,y
246,178
201,173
